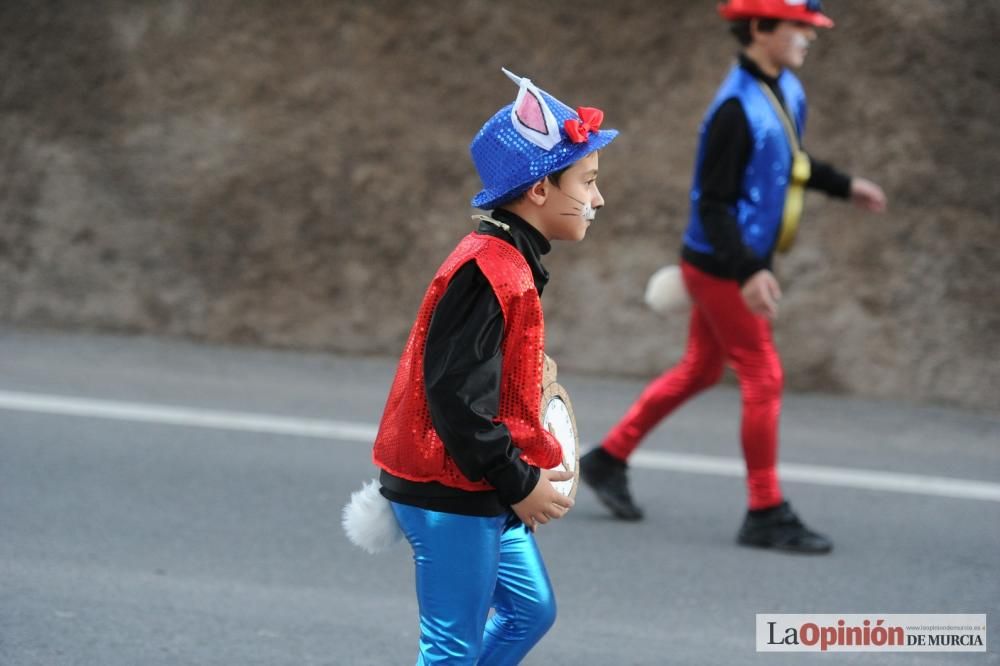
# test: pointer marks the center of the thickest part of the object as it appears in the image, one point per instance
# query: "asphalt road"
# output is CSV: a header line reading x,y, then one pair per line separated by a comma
x,y
169,503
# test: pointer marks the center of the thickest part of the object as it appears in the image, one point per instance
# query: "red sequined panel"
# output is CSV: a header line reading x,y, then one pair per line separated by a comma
x,y
407,444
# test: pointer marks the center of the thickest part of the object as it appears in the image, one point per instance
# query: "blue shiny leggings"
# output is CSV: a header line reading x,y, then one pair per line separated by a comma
x,y
466,565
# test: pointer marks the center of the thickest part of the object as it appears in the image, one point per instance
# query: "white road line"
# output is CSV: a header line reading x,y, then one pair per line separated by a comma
x,y
187,416
825,476
365,433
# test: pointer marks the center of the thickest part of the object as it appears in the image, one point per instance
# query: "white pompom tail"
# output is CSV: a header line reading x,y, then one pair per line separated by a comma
x,y
368,520
665,291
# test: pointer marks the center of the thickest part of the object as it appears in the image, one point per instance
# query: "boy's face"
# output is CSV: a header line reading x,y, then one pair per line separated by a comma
x,y
788,44
565,212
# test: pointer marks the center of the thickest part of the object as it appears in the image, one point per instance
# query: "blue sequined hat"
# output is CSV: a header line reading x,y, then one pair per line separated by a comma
x,y
530,138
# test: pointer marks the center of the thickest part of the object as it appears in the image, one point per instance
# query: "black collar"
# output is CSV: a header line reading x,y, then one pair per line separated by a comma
x,y
754,69
747,63
527,239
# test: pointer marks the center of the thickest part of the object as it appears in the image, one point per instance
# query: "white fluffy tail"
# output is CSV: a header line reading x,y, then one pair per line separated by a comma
x,y
666,293
368,520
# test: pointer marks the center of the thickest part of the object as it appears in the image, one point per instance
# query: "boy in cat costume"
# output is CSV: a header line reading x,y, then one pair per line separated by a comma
x,y
464,459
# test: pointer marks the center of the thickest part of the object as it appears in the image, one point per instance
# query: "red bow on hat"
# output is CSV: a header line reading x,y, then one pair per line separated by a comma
x,y
590,121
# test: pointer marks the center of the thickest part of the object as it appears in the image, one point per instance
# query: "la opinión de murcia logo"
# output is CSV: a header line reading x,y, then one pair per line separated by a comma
x,y
875,633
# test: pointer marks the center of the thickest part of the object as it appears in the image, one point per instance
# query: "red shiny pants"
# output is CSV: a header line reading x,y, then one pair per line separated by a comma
x,y
722,331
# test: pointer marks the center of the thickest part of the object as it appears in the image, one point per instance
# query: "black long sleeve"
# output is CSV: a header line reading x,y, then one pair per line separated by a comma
x,y
826,178
462,369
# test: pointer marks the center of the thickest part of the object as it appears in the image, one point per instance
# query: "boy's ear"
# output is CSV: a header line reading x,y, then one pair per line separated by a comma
x,y
538,192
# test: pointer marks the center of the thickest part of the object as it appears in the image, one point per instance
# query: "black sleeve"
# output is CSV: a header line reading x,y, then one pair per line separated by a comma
x,y
727,153
825,178
462,370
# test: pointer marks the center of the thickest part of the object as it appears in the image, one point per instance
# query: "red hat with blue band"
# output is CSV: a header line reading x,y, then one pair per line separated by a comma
x,y
530,138
803,11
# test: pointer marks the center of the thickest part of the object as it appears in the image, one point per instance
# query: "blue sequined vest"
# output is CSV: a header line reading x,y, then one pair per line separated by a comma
x,y
765,180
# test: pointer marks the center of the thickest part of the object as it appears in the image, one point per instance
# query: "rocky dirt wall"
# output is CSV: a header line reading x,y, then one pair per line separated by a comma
x,y
290,174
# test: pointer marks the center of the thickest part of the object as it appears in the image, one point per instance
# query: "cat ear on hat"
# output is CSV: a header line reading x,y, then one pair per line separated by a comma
x,y
531,116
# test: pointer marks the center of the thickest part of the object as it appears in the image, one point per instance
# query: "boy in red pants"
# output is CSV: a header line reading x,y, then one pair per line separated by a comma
x,y
746,201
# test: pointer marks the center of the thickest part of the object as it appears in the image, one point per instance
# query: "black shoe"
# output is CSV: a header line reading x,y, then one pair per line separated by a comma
x,y
606,476
779,528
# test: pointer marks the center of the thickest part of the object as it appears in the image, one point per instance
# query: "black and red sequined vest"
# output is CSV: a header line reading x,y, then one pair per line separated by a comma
x,y
407,445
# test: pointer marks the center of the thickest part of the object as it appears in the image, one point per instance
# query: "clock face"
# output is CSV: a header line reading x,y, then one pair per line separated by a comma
x,y
557,419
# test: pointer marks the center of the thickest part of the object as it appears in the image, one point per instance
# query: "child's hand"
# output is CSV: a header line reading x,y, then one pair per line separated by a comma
x,y
544,503
762,293
866,195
